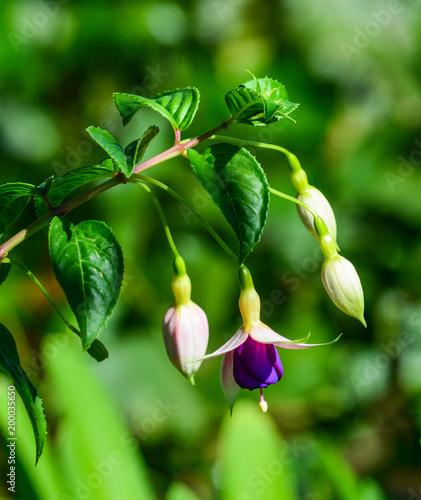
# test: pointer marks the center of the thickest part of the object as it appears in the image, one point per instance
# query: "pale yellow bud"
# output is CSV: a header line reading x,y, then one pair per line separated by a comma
x,y
316,200
343,286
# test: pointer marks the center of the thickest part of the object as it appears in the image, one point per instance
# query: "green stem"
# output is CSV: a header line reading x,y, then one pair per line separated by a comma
x,y
294,200
177,150
163,218
293,163
46,294
243,142
320,224
180,148
60,211
193,211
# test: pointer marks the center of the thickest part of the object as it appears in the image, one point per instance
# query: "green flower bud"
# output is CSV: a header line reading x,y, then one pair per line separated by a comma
x,y
343,286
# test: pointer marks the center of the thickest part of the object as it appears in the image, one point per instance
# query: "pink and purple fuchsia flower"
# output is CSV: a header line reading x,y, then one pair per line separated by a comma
x,y
251,360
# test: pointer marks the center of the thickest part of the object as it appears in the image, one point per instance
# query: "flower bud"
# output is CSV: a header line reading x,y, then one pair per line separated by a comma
x,y
312,197
316,200
185,326
186,333
343,286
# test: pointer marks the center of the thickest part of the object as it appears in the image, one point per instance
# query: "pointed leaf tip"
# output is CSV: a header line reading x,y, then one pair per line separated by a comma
x,y
88,263
110,146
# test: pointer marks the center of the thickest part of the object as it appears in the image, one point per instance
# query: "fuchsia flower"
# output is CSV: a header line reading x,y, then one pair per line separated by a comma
x,y
251,360
185,326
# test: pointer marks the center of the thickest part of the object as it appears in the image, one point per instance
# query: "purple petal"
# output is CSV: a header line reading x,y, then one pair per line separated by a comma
x,y
228,383
256,365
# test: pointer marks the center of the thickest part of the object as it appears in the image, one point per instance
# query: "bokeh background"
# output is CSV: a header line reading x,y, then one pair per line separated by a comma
x,y
344,423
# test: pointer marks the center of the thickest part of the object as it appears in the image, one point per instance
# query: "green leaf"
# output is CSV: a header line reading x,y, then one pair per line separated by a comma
x,y
136,149
98,351
237,185
109,164
255,462
44,187
10,364
88,264
177,106
346,484
4,270
244,103
98,443
110,145
64,184
60,187
13,199
260,101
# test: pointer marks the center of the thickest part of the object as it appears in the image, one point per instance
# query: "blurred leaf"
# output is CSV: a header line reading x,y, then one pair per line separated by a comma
x,y
177,106
88,264
10,364
179,491
237,185
101,458
135,150
344,481
337,471
60,187
13,199
370,490
4,271
43,480
260,101
110,145
254,461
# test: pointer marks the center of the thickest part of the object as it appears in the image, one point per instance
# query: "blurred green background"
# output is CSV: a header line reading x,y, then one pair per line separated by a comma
x,y
344,423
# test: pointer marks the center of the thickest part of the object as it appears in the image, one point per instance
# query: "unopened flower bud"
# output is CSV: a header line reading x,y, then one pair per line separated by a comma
x,y
312,197
343,286
316,200
185,326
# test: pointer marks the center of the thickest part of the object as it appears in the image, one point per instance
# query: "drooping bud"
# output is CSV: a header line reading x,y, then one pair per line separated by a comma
x,y
312,197
343,286
339,277
185,326
316,200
